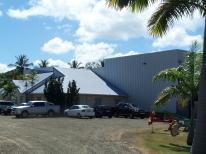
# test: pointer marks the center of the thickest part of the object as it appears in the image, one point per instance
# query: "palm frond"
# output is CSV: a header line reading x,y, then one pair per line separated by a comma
x,y
165,95
167,13
172,74
134,5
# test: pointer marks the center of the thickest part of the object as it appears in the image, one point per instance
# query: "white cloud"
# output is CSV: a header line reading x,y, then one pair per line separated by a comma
x,y
176,37
83,52
57,46
180,35
105,22
92,52
95,18
1,13
4,68
53,62
130,53
97,21
59,9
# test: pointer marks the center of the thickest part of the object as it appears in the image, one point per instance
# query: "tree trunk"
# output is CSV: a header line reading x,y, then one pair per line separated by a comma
x,y
192,114
199,143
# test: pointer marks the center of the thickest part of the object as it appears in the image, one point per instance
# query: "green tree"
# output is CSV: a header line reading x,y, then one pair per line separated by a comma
x,y
43,63
75,64
185,80
72,93
53,91
8,89
22,63
165,15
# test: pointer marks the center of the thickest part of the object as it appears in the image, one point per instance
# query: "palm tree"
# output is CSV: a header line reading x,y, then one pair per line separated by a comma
x,y
43,63
92,65
162,18
75,64
22,63
186,78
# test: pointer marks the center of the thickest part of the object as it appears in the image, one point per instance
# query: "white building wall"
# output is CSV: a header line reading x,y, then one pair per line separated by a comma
x,y
133,75
105,100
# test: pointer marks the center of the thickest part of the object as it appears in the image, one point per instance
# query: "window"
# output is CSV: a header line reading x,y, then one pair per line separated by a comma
x,y
85,106
74,107
38,104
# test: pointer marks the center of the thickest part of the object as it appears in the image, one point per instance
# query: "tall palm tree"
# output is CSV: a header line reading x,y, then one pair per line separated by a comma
x,y
75,64
43,63
186,78
22,63
167,12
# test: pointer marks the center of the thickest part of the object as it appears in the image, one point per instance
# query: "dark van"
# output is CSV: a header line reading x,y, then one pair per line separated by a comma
x,y
4,105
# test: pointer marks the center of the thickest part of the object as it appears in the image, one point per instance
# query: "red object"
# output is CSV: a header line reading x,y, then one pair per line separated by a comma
x,y
151,118
171,123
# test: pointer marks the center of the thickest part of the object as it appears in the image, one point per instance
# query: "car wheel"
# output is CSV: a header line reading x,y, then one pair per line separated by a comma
x,y
51,113
79,115
142,117
24,114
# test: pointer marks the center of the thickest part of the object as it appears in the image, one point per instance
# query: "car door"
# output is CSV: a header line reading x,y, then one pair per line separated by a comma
x,y
42,108
75,110
36,108
71,111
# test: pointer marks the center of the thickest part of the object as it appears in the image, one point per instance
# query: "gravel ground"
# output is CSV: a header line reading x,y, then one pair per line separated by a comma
x,y
67,135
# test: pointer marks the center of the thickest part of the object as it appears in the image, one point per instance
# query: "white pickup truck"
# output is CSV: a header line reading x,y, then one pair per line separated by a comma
x,y
36,108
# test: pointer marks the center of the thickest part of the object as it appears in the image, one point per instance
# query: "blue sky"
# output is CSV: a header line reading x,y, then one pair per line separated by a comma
x,y
85,30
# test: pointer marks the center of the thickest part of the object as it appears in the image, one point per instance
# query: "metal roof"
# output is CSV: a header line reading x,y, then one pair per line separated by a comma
x,y
88,82
21,84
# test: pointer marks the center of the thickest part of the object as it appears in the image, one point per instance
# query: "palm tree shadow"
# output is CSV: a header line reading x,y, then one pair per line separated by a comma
x,y
176,147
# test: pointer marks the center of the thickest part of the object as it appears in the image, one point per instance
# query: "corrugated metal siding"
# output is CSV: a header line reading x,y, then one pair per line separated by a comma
x,y
134,74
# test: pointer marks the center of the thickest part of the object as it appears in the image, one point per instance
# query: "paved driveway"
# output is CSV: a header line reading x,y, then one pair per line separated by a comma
x,y
66,135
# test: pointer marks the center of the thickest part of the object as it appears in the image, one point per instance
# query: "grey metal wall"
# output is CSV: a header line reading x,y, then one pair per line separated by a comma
x,y
133,75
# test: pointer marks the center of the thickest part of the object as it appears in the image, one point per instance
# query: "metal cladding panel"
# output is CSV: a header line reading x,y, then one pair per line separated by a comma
x,y
134,75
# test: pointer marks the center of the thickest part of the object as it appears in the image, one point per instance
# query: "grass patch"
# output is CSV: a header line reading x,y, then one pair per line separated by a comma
x,y
161,142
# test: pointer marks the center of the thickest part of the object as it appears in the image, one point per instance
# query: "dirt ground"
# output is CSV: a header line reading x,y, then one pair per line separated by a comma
x,y
64,135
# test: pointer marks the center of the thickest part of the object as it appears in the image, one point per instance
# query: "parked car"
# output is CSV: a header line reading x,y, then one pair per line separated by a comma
x,y
103,110
5,105
80,111
128,110
36,108
9,109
